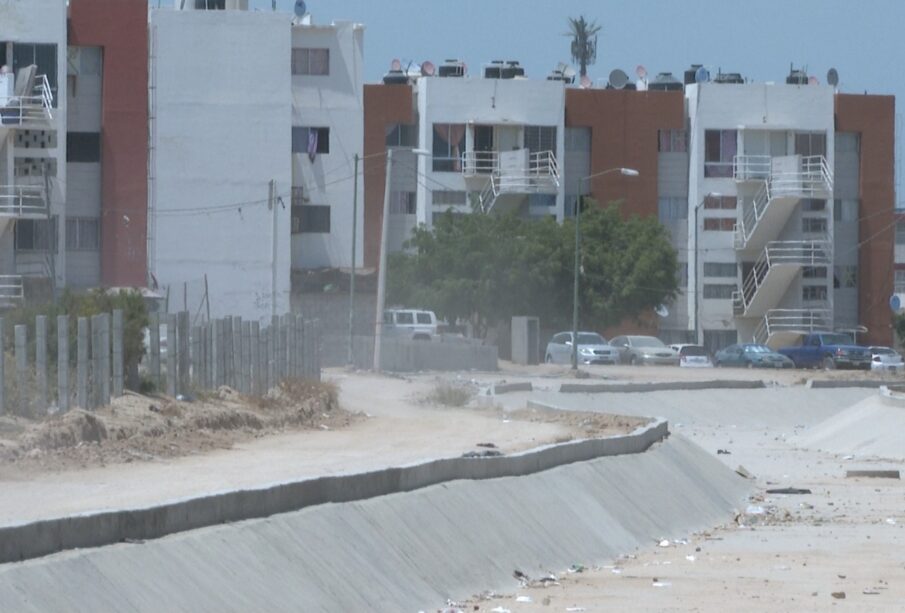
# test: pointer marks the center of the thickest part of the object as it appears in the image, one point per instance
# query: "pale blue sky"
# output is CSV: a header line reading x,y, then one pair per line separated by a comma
x,y
758,38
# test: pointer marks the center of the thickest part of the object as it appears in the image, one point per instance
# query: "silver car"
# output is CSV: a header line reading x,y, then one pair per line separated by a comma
x,y
592,349
644,350
886,359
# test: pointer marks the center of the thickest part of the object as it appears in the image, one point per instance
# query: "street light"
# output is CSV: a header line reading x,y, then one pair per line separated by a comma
x,y
381,272
628,172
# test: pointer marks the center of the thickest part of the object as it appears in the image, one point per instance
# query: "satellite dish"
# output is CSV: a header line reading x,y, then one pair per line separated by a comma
x,y
662,310
701,75
641,71
427,69
300,8
618,79
832,77
586,82
895,303
813,81
395,65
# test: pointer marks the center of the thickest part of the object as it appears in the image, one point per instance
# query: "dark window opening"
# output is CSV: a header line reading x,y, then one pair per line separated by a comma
x,y
83,147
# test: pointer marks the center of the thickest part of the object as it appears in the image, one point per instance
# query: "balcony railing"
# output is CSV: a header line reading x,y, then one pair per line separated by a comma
x,y
779,253
802,321
22,201
29,109
536,174
12,289
480,162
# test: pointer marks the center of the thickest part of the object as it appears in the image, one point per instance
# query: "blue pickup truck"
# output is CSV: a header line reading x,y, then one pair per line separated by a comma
x,y
828,350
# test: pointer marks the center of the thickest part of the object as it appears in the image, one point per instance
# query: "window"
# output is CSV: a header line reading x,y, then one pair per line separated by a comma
x,y
719,224
720,147
712,201
404,317
36,235
900,232
43,56
810,143
720,269
298,196
813,293
83,234
718,291
211,5
423,318
310,140
402,203
312,62
814,272
812,205
672,141
449,143
310,219
846,210
682,280
448,198
847,277
900,282
83,147
813,225
540,138
848,142
401,135
672,209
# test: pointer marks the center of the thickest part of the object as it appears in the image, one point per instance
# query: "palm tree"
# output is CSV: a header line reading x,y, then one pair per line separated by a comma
x,y
584,42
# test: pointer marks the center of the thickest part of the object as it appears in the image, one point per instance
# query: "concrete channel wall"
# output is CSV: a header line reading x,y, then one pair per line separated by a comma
x,y
29,540
597,388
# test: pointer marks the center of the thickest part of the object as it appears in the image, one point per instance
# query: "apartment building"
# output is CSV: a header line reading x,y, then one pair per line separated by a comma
x,y
73,145
778,196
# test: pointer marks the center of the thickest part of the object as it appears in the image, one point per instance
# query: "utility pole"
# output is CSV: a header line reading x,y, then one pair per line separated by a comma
x,y
352,276
382,272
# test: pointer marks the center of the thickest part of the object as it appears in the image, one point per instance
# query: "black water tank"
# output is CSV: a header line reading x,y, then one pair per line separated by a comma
x,y
665,82
691,74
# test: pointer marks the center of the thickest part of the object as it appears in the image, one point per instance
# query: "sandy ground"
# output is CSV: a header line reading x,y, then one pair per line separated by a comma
x,y
396,426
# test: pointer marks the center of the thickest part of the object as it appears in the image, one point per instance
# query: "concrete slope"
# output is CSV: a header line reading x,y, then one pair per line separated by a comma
x,y
775,407
397,552
872,427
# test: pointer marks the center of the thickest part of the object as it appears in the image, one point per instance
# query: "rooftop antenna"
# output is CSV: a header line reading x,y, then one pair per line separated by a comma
x,y
832,77
618,79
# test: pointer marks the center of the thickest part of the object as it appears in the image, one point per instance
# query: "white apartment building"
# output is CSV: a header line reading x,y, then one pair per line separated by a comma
x,y
33,129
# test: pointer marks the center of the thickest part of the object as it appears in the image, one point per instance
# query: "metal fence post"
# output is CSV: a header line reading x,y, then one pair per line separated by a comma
x,y
82,363
246,357
196,357
255,348
63,362
41,361
154,334
216,351
172,349
183,365
105,358
237,352
20,333
228,351
117,352
94,396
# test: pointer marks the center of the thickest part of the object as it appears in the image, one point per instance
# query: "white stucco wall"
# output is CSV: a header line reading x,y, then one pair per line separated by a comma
x,y
221,111
333,101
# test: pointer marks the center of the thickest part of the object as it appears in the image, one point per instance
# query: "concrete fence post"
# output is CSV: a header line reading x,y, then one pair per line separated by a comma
x,y
196,357
20,333
274,350
292,357
228,351
2,367
216,352
94,396
154,334
41,362
284,347
117,352
246,357
172,350
237,352
301,362
268,360
105,358
82,363
255,359
63,362
205,356
183,365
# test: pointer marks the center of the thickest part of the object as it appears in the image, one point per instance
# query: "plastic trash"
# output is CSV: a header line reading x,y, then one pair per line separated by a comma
x,y
523,599
664,543
754,509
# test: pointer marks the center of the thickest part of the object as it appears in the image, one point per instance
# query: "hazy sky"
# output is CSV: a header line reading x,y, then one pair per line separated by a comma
x,y
758,38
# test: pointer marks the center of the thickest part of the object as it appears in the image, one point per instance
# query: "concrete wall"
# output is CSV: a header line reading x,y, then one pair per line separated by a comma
x,y
220,132
333,101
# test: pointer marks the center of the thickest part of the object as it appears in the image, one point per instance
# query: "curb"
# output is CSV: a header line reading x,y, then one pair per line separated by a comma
x,y
30,540
841,383
505,388
578,388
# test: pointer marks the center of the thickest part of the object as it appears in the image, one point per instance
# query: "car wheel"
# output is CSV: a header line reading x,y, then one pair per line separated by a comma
x,y
633,360
829,364
548,359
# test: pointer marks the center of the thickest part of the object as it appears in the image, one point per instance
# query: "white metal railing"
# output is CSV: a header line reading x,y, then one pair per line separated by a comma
x,y
12,288
22,201
803,321
31,109
780,253
542,173
480,162
811,179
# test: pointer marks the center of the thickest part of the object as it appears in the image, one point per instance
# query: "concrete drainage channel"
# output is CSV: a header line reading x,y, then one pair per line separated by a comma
x,y
402,551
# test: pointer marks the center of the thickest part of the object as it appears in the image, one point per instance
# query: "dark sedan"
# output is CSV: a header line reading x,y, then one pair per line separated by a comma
x,y
751,356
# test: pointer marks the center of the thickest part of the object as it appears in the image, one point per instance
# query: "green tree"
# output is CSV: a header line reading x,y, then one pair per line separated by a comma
x,y
584,42
487,268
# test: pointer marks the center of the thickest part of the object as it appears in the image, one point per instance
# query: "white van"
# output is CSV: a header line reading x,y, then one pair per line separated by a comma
x,y
412,324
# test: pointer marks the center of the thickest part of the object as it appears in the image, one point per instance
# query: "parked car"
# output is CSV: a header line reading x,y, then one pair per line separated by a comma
x,y
828,350
886,359
413,324
751,355
592,349
692,356
644,350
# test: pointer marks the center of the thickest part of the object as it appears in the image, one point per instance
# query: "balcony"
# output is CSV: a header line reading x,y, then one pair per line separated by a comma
x,y
784,181
30,103
773,272
12,290
511,175
23,201
783,327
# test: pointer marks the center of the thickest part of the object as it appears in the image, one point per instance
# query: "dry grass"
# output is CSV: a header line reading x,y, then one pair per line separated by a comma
x,y
450,394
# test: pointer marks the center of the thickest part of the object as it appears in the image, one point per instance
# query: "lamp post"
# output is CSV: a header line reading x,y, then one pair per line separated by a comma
x,y
628,172
381,271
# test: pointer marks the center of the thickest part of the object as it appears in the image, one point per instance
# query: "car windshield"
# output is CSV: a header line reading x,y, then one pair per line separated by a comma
x,y
882,351
835,339
590,338
645,341
757,349
693,350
